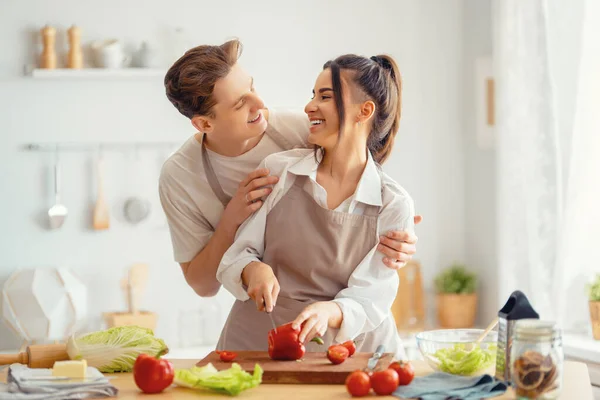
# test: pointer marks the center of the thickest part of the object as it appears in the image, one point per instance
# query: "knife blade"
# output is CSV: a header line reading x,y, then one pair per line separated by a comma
x,y
272,322
270,317
372,362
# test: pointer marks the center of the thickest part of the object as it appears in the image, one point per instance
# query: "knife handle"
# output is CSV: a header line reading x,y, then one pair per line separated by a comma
x,y
380,350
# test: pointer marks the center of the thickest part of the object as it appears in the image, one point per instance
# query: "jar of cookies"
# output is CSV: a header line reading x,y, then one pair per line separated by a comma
x,y
537,360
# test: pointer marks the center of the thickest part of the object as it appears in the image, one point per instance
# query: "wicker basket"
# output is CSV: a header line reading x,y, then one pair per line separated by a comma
x,y
456,310
595,317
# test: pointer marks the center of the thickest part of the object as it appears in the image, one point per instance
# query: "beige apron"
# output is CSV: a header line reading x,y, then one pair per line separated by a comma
x,y
313,251
211,177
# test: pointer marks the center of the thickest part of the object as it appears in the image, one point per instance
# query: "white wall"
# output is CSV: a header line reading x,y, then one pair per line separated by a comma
x,y
480,184
285,45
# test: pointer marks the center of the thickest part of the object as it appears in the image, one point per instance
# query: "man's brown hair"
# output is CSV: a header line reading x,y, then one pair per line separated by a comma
x,y
190,82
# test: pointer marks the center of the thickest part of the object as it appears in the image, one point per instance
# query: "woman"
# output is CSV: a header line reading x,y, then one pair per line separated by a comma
x,y
336,202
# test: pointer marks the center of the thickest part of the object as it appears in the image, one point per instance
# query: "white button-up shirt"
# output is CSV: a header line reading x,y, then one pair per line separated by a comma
x,y
372,287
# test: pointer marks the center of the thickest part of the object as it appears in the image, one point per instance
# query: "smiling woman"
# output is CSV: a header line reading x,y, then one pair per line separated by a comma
x,y
311,248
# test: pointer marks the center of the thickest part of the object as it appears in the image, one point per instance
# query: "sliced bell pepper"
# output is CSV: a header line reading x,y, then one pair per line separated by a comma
x,y
284,343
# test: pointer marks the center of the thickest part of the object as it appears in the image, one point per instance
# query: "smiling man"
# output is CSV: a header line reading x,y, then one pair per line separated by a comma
x,y
209,187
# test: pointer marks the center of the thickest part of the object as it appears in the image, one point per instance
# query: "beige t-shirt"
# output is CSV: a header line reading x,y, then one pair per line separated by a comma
x,y
192,209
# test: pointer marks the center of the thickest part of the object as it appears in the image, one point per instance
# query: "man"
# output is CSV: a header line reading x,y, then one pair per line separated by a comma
x,y
208,188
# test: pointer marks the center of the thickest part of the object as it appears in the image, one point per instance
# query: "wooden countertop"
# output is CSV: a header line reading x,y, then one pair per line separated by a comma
x,y
576,386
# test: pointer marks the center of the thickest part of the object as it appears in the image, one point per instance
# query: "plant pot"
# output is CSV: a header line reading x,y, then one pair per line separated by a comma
x,y
456,310
595,317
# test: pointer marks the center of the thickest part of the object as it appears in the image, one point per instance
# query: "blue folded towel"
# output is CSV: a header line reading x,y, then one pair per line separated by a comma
x,y
443,386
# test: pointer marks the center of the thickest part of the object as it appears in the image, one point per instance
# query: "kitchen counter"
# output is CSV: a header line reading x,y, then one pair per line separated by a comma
x,y
576,386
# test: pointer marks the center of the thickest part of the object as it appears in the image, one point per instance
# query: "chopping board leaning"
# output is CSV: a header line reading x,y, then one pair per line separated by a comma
x,y
314,368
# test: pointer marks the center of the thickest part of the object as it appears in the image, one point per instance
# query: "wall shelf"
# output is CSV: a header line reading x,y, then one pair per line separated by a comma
x,y
95,73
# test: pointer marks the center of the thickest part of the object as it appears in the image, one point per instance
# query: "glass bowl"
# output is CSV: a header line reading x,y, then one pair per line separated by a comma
x,y
454,351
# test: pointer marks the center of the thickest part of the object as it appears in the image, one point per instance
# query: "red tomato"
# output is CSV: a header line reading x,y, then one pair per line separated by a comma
x,y
337,354
405,371
384,382
151,374
227,356
358,384
351,346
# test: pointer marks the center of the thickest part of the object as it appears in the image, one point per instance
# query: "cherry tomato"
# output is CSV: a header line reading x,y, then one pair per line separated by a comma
x,y
227,356
337,354
358,384
351,346
384,382
405,370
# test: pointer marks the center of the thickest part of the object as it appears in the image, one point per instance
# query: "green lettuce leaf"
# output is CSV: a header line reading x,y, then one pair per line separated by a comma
x,y
458,360
231,381
115,349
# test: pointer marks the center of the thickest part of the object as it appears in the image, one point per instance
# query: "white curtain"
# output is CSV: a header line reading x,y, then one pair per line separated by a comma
x,y
579,247
529,163
546,245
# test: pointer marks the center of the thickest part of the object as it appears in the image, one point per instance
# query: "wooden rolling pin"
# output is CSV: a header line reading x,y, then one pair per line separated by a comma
x,y
37,356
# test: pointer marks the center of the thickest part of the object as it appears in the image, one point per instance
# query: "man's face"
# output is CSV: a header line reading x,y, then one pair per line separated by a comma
x,y
237,112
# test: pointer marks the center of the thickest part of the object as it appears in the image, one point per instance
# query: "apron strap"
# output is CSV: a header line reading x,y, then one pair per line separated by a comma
x,y
280,140
213,181
212,177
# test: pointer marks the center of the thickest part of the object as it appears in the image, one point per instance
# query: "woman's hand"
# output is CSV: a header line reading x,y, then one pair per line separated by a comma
x,y
263,286
316,318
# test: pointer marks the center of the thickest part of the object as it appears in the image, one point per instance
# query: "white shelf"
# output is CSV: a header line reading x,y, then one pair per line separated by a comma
x,y
95,73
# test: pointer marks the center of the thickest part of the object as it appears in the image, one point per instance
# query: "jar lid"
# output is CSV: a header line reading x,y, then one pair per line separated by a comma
x,y
535,328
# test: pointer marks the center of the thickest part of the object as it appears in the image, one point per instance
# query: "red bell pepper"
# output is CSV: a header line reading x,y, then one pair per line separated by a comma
x,y
284,343
152,374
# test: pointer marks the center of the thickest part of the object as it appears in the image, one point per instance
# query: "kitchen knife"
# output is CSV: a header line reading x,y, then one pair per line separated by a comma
x,y
270,317
372,363
272,322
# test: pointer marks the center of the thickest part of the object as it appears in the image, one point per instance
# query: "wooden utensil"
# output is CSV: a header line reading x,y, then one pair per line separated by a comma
x,y
314,368
37,356
409,305
487,330
138,276
101,220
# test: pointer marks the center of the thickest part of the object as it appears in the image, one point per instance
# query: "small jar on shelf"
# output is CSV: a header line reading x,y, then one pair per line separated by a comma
x,y
537,360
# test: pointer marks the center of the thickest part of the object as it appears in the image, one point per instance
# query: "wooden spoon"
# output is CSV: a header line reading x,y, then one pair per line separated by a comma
x,y
491,326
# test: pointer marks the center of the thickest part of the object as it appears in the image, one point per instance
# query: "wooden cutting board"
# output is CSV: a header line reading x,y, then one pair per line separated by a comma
x,y
314,368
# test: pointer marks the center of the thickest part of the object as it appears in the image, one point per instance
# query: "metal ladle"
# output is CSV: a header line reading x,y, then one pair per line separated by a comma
x,y
58,212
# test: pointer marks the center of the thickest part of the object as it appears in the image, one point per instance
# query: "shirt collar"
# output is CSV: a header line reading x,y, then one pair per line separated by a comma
x,y
368,190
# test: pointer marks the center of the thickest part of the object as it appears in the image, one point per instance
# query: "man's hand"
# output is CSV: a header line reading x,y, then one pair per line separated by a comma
x,y
248,197
263,286
316,318
398,246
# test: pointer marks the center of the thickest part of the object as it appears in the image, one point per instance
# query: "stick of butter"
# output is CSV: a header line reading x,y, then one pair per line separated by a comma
x,y
70,369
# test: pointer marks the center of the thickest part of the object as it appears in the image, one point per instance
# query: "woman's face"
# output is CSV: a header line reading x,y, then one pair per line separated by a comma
x,y
322,112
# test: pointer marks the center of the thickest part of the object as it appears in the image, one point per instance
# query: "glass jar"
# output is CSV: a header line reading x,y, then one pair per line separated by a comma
x,y
536,360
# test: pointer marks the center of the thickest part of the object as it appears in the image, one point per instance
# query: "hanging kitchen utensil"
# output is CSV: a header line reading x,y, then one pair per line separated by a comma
x,y
136,208
58,212
101,219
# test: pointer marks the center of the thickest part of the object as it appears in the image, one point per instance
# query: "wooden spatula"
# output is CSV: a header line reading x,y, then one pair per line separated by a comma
x,y
101,220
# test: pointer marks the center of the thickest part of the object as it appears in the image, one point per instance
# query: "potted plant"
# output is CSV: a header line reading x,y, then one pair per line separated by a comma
x,y
593,292
456,297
